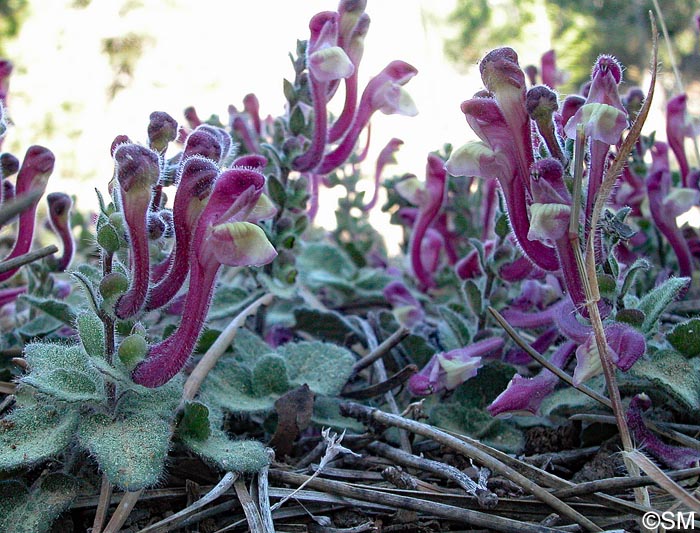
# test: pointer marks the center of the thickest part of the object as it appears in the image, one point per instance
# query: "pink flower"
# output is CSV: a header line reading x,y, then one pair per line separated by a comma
x,y
59,215
448,370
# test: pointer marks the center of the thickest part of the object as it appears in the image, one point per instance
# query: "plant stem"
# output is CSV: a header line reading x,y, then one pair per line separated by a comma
x,y
102,505
123,511
25,259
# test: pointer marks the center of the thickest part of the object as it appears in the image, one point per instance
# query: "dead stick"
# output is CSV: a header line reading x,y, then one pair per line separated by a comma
x,y
362,412
29,257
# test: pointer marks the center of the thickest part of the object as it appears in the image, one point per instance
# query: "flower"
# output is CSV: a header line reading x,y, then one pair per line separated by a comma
x,y
674,457
34,173
498,157
386,157
448,370
384,92
224,235
137,171
407,308
197,178
525,395
59,215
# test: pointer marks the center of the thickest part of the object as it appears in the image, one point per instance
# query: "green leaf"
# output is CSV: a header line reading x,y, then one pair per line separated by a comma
x,y
685,337
22,511
326,258
631,274
229,386
64,372
33,433
68,385
669,373
270,376
243,456
195,421
249,347
57,309
327,414
456,325
130,451
91,332
41,326
655,302
327,325
227,302
324,367
473,295
483,388
478,424
296,121
277,193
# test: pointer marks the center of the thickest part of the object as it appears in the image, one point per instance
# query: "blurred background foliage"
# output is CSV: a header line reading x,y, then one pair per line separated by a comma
x,y
12,14
580,32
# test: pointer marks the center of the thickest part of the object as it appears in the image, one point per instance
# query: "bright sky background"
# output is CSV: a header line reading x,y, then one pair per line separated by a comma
x,y
210,54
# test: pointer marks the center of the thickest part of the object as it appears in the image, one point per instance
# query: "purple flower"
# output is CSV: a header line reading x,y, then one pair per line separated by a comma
x,y
59,215
677,129
195,184
326,62
384,93
550,75
625,346
448,370
386,157
429,207
207,141
137,171
162,129
525,395
223,236
497,157
406,307
674,457
666,203
251,105
604,118
33,175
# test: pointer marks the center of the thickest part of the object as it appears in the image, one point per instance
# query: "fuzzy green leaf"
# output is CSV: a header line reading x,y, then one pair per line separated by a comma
x,y
130,451
68,385
91,332
321,257
58,309
24,511
478,424
230,386
32,433
685,337
195,421
326,325
270,376
655,302
670,374
244,456
64,372
324,367
249,347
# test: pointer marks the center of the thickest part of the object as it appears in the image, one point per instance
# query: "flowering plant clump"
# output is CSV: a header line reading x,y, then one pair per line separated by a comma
x,y
202,316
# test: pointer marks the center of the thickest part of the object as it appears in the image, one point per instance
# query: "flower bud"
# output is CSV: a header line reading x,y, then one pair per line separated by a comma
x,y
162,129
9,165
113,284
132,350
137,167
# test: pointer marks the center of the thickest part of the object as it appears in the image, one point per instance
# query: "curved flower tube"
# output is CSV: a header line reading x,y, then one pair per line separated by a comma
x,y
677,130
326,62
386,157
59,215
448,370
197,179
496,158
525,395
431,203
383,93
354,47
674,457
33,175
223,236
665,207
406,307
137,171
251,105
604,119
